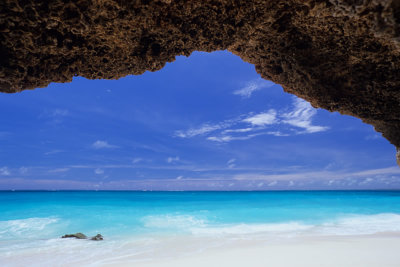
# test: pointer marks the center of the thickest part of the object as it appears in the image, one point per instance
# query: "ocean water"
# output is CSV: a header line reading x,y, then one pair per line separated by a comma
x,y
142,225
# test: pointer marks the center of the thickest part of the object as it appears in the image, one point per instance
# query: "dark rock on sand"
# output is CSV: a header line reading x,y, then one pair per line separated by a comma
x,y
97,237
77,235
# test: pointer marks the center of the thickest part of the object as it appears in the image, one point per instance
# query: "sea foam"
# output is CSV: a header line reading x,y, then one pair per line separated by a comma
x,y
25,228
351,224
170,221
361,224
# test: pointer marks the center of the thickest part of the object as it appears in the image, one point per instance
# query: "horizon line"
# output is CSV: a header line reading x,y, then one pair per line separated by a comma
x,y
149,190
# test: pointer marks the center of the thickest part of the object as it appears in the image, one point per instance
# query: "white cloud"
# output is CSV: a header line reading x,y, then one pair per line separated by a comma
x,y
301,116
98,171
180,177
272,122
59,170
231,163
206,128
221,139
99,144
4,171
330,177
56,151
253,86
272,183
55,115
277,133
366,181
136,160
390,170
242,130
228,138
172,159
262,119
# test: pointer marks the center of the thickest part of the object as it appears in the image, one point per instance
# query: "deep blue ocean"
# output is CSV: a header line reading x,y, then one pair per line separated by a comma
x,y
36,220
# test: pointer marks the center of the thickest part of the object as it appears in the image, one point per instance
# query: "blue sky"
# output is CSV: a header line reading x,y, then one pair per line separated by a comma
x,y
204,122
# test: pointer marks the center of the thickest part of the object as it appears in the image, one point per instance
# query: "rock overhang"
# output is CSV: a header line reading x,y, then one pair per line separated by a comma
x,y
341,55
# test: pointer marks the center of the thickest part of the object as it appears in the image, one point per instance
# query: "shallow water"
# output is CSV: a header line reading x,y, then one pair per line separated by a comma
x,y
146,223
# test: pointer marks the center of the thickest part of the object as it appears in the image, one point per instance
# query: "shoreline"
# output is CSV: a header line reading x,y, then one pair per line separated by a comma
x,y
374,250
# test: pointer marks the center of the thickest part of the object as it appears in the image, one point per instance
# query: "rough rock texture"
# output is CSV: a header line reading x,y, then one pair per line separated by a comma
x,y
97,237
398,156
341,55
77,236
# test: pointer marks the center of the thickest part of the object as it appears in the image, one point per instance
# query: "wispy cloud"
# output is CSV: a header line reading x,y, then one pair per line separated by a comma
x,y
172,159
390,170
4,171
277,133
231,163
301,116
205,128
55,115
56,151
136,160
99,144
228,138
262,119
243,130
272,122
98,171
385,178
58,170
253,86
319,175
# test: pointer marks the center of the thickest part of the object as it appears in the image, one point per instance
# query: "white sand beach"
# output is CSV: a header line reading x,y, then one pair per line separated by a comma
x,y
377,250
365,251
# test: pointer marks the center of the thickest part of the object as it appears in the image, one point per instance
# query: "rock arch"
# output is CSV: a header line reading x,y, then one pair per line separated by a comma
x,y
341,55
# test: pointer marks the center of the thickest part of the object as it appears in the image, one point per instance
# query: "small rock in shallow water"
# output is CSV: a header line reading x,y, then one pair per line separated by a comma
x,y
77,235
97,237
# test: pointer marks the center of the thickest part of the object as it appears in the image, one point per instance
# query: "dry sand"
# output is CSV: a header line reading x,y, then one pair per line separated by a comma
x,y
363,251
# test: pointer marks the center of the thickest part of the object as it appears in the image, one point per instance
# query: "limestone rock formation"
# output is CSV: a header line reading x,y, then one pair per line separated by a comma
x,y
97,237
77,236
341,55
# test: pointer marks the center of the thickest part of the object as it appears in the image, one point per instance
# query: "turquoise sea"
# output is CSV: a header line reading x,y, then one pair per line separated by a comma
x,y
142,224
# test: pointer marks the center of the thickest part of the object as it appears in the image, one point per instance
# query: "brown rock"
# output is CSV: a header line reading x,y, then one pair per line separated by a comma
x,y
97,237
77,235
340,55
